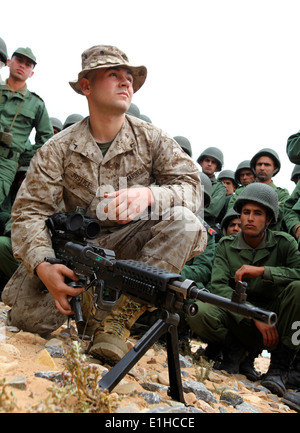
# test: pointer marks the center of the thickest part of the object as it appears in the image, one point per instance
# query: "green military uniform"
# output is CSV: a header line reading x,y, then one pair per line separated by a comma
x,y
31,113
293,148
199,268
292,211
278,290
218,199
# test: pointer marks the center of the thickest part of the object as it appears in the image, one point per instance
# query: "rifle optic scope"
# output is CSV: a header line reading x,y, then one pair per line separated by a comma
x,y
74,222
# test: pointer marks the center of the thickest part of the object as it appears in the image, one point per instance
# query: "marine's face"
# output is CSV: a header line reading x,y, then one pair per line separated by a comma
x,y
109,89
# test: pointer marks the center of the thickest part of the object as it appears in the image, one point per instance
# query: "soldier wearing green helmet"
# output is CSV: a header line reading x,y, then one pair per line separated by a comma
x,y
266,164
72,119
211,161
185,144
244,173
21,111
268,262
291,208
56,124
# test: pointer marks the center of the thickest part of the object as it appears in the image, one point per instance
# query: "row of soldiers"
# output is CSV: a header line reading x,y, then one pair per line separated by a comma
x,y
225,191
22,110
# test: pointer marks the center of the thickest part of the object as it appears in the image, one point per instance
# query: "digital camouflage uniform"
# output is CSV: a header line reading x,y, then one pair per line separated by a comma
x,y
72,163
32,114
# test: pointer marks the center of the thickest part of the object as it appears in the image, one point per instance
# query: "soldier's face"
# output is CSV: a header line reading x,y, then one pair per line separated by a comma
x,y
264,168
209,166
230,187
21,67
234,227
109,89
254,220
246,177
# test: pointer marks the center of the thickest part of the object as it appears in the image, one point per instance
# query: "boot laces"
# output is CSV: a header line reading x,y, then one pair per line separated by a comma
x,y
117,324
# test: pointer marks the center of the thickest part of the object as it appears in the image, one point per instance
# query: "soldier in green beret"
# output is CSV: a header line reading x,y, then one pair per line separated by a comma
x,y
20,111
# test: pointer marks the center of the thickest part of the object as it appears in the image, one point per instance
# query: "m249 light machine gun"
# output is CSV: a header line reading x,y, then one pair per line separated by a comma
x,y
97,267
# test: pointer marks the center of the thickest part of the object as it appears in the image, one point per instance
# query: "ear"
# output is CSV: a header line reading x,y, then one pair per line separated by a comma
x,y
268,219
31,74
85,86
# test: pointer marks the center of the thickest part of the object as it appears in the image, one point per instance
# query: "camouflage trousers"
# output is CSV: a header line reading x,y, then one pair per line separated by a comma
x,y
165,243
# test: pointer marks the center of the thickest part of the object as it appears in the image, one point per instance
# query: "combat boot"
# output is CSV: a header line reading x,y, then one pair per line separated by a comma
x,y
109,341
233,354
276,376
292,399
247,367
293,380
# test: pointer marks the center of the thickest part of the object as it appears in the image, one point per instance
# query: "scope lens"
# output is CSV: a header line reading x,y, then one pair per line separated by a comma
x,y
92,230
74,222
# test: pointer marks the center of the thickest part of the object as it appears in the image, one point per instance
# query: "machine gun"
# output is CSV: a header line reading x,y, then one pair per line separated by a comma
x,y
97,267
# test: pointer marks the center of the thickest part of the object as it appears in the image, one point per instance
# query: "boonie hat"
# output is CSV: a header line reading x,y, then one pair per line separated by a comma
x,y
27,52
107,56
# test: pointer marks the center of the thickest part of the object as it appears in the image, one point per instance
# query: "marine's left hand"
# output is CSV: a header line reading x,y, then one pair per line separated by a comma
x,y
128,203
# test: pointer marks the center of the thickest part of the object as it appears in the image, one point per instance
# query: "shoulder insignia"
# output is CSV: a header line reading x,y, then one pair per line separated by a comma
x,y
35,94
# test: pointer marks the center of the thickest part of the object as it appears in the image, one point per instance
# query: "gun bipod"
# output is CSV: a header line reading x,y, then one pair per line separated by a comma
x,y
167,324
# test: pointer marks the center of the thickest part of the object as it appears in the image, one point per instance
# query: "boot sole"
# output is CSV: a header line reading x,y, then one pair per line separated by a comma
x,y
106,352
290,404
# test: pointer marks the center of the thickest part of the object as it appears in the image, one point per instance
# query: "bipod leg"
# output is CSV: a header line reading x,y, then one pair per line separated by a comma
x,y
160,327
175,388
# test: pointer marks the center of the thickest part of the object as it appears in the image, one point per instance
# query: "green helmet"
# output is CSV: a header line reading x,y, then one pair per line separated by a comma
x,y
71,119
184,144
133,110
228,174
242,166
3,51
295,173
266,152
56,123
260,193
213,152
230,215
145,118
207,186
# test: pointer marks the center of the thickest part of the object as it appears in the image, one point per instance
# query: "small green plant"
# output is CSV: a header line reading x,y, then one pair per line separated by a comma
x,y
203,369
79,391
7,400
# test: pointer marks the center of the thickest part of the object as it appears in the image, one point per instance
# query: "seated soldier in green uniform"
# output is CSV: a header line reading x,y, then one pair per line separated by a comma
x,y
268,261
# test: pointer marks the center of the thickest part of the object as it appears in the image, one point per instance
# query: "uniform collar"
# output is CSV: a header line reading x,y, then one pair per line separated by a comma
x,y
22,91
267,241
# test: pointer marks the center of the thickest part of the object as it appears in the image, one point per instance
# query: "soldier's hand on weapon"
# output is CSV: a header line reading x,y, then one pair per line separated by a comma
x,y
53,276
248,271
268,332
128,203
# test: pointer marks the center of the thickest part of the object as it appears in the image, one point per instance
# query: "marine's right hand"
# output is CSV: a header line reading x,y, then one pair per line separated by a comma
x,y
53,276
